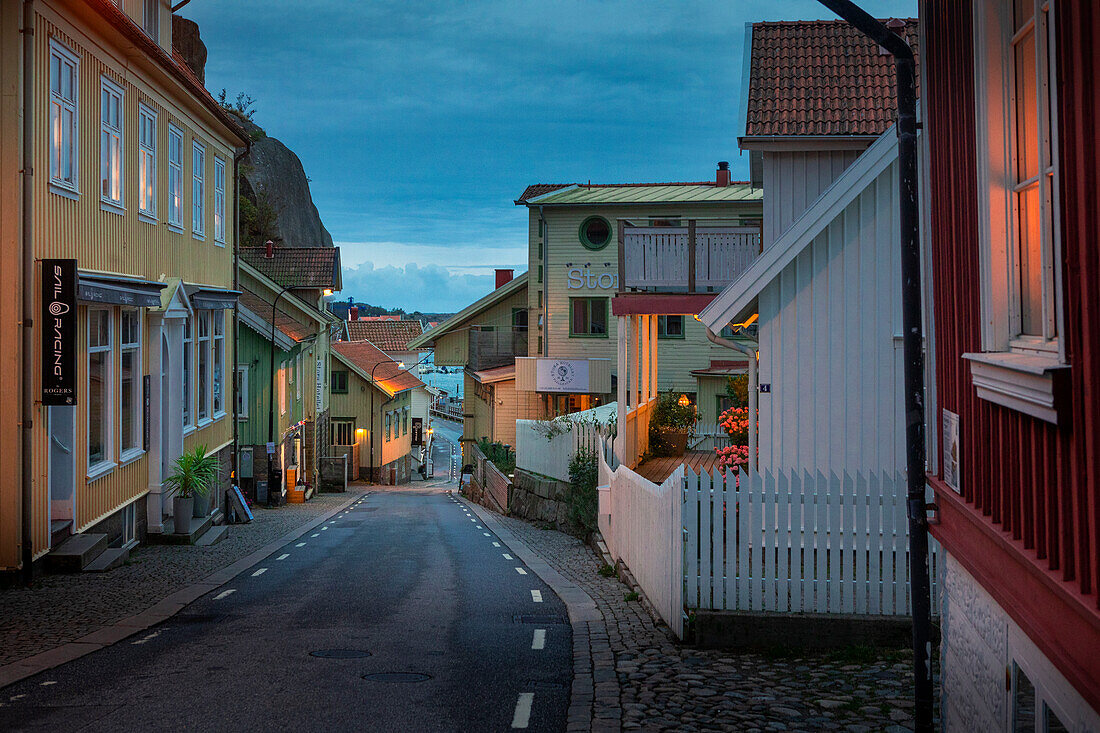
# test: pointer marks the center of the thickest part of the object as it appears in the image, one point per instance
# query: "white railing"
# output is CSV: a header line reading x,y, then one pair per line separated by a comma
x,y
640,524
546,447
708,436
796,543
659,257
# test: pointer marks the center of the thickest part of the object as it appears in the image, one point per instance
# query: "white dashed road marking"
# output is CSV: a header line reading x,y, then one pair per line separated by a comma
x,y
261,571
507,556
300,544
144,639
323,528
539,642
47,683
521,571
225,594
486,534
284,556
536,596
496,544
315,534
523,710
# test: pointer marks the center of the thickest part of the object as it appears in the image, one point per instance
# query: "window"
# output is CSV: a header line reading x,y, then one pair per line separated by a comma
x,y
130,405
129,523
405,421
670,327
389,424
203,371
100,405
298,376
198,189
110,142
64,98
219,200
588,317
188,357
595,232
217,380
151,18
282,387
664,221
147,161
343,432
242,391
540,274
339,382
175,177
519,319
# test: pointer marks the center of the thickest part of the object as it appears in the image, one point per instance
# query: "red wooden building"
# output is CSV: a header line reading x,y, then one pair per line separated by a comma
x,y
1012,121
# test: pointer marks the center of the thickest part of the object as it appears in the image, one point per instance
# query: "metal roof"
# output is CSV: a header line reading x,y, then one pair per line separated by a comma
x,y
656,193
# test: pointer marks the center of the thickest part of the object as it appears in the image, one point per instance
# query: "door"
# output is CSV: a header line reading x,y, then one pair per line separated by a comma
x,y
62,477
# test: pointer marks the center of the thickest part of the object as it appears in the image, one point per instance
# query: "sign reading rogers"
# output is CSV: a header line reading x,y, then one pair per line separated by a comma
x,y
59,332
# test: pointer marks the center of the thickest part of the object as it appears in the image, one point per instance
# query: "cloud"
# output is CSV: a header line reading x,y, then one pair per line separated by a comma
x,y
427,288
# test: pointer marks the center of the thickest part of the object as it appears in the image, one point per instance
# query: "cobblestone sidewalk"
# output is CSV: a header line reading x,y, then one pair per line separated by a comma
x,y
61,608
641,679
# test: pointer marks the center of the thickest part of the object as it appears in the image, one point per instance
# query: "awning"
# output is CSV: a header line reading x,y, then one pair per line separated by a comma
x,y
118,289
204,297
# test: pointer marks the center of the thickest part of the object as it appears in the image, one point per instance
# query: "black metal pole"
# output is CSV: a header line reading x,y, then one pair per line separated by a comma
x,y
272,471
913,347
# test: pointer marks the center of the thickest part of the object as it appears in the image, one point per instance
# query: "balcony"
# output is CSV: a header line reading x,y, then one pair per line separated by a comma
x,y
495,347
701,257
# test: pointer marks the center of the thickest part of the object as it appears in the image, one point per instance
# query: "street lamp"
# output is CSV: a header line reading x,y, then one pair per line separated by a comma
x,y
400,367
272,471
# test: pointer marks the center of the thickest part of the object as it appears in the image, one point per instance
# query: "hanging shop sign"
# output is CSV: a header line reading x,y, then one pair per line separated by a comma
x,y
561,375
320,384
59,332
418,431
577,278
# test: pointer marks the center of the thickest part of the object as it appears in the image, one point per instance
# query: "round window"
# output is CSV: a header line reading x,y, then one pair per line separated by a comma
x,y
595,232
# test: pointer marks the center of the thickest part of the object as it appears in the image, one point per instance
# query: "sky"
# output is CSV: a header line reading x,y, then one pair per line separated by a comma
x,y
419,123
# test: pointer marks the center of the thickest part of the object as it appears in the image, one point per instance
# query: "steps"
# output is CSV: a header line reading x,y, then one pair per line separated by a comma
x,y
76,553
212,536
109,559
197,526
59,530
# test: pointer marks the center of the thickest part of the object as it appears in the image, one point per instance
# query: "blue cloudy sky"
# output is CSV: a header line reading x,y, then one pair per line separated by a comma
x,y
420,122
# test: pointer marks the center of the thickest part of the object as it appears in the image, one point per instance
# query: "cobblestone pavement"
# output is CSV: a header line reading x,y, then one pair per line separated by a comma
x,y
61,608
641,679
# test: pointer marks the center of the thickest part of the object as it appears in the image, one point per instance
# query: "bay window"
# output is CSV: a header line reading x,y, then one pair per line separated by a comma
x,y
64,98
198,189
203,368
130,403
147,161
217,380
110,142
100,404
175,177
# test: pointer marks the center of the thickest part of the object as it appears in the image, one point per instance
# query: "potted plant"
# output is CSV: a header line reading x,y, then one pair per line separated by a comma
x,y
193,474
671,424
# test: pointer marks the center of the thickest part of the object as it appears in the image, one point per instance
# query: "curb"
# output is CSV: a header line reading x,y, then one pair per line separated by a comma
x,y
166,608
585,618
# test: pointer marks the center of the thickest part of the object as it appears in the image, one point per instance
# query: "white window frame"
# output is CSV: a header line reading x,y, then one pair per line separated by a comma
x,y
151,26
147,163
175,178
203,402
342,424
217,363
219,201
242,391
112,145
136,405
95,470
188,362
64,59
1014,370
298,375
198,190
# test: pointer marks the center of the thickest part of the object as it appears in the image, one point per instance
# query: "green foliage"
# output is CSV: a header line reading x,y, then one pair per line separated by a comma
x,y
737,389
607,571
500,454
582,498
193,473
257,221
669,416
631,596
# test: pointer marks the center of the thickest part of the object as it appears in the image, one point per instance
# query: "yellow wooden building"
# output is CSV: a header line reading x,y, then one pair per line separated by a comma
x,y
128,168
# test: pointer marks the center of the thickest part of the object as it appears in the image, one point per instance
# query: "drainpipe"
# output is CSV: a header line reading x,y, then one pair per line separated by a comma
x,y
236,452
753,389
27,257
909,217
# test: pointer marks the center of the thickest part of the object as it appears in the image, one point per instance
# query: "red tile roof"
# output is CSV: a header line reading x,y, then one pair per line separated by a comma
x,y
297,267
366,357
820,77
283,321
390,336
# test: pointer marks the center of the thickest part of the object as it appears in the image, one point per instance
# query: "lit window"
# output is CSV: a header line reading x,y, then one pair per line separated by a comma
x,y
282,388
147,161
64,97
110,142
175,176
203,371
219,200
100,405
198,189
217,380
188,356
670,327
588,317
130,405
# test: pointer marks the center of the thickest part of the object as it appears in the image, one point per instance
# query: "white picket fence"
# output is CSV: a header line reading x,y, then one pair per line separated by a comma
x,y
798,543
535,453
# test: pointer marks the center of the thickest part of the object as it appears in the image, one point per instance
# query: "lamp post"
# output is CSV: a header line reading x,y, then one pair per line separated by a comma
x,y
400,367
272,471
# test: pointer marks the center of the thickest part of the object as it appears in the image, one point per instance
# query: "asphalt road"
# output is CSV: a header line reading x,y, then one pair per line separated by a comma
x,y
405,582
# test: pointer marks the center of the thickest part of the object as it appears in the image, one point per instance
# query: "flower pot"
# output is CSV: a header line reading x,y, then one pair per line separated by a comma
x,y
182,510
202,505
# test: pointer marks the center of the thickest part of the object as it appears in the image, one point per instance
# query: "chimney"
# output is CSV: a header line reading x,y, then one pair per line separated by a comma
x,y
723,177
270,253
353,313
504,276
897,25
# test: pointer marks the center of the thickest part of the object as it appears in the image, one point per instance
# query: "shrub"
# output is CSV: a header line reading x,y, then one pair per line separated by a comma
x,y
500,454
582,497
669,416
735,421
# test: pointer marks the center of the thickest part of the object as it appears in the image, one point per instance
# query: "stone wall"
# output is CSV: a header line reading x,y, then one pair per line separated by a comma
x,y
539,499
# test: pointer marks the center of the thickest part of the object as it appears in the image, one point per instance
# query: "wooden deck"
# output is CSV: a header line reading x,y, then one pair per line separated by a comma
x,y
658,469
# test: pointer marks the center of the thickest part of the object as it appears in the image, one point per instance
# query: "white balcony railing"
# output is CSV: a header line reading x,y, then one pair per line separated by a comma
x,y
699,257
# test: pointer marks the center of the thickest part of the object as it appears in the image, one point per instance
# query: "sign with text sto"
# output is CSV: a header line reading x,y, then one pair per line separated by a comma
x,y
59,332
577,278
562,375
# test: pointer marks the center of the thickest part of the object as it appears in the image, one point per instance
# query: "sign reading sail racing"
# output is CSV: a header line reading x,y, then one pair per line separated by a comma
x,y
59,332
